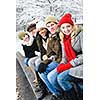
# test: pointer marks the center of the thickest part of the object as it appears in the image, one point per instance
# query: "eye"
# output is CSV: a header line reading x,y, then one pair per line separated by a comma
x,y
52,24
48,26
68,26
62,27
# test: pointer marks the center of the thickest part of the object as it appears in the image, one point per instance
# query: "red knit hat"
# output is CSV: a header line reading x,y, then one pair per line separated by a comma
x,y
67,18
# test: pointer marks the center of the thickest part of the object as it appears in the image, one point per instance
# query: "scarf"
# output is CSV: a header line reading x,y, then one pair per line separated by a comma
x,y
68,48
29,43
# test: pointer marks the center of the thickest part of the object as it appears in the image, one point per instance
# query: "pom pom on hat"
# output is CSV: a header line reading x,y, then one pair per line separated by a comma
x,y
67,18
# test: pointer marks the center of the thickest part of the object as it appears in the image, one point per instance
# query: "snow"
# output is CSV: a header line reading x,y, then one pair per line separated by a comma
x,y
36,10
27,10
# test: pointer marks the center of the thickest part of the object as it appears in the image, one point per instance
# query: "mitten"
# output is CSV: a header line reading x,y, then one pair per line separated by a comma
x,y
62,67
42,67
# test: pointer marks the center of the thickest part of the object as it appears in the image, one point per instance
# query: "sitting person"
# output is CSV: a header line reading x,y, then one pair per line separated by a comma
x,y
32,29
30,47
42,40
52,57
64,74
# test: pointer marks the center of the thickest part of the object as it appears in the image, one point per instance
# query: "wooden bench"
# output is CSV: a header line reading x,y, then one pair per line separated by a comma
x,y
29,75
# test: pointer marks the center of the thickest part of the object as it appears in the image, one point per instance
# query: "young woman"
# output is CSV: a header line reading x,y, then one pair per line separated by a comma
x,y
30,47
62,76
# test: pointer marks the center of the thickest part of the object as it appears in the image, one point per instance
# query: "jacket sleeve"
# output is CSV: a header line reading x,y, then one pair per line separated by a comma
x,y
62,67
40,46
55,49
79,58
25,51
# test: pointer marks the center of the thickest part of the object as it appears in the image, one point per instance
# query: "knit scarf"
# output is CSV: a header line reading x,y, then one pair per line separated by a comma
x,y
29,43
68,48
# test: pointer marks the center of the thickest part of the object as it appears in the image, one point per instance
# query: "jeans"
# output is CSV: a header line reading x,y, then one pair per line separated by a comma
x,y
52,77
43,76
61,81
64,80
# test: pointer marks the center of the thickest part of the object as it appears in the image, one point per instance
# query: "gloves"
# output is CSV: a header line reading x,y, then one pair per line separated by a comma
x,y
44,57
42,67
37,53
26,61
62,67
52,58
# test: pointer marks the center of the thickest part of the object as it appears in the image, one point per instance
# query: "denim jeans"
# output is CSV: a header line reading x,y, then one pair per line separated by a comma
x,y
61,81
52,77
64,80
43,76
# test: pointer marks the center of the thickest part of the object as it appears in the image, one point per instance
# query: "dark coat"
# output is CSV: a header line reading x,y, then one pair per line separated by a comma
x,y
53,49
30,50
42,50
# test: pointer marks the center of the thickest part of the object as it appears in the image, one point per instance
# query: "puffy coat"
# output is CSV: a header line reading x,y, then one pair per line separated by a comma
x,y
77,63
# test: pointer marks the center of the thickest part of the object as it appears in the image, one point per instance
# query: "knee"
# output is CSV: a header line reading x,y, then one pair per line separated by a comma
x,y
31,62
60,79
50,77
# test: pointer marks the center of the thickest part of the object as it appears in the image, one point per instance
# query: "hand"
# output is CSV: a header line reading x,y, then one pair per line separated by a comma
x,y
44,57
52,58
37,53
62,67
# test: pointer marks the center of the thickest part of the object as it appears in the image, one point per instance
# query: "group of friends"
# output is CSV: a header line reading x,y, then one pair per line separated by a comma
x,y
54,54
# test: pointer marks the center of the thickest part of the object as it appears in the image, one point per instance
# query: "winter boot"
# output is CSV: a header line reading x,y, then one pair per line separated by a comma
x,y
80,94
43,88
70,95
57,97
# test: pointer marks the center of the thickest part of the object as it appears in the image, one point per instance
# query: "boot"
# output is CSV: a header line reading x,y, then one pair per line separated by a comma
x,y
57,97
71,94
80,94
80,90
43,94
43,88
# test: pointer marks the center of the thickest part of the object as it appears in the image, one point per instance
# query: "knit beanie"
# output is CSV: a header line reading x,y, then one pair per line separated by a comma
x,y
67,18
21,35
51,19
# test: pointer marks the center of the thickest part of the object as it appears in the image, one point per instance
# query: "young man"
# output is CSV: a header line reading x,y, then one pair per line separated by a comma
x,y
54,52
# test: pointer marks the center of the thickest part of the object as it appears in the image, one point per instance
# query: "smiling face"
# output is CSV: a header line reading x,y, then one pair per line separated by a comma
x,y
66,28
43,32
33,31
52,27
26,38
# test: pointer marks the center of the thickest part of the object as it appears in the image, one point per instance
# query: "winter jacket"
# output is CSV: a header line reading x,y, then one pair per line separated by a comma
x,y
30,50
77,63
54,47
74,65
42,50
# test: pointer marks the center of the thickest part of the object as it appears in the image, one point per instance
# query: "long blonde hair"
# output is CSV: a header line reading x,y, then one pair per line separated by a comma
x,y
75,31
